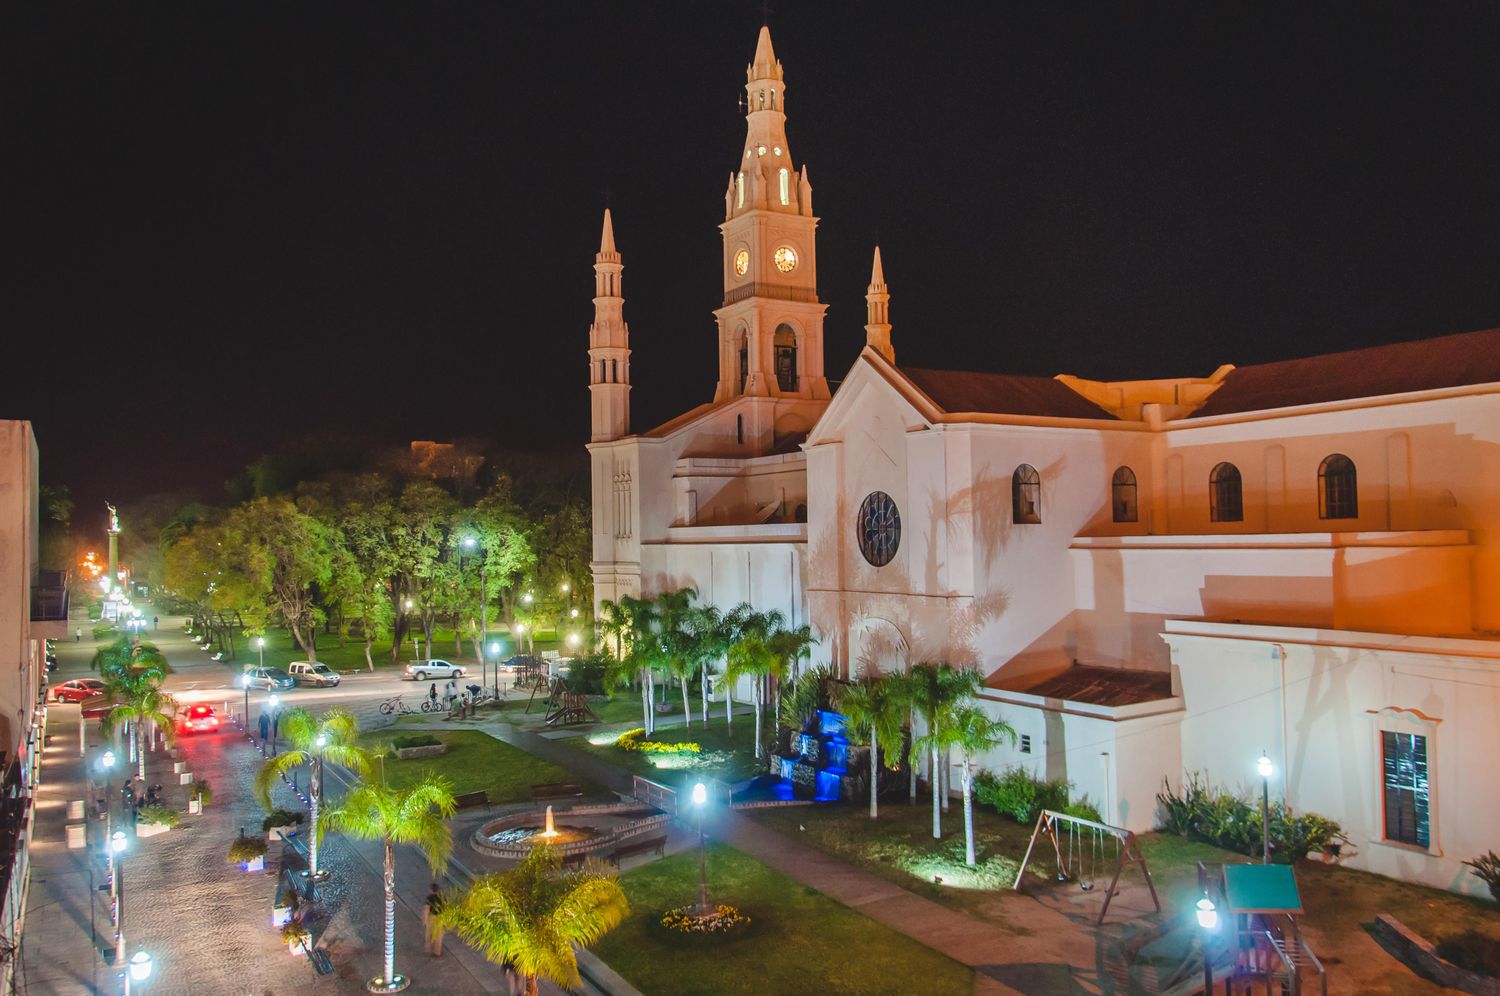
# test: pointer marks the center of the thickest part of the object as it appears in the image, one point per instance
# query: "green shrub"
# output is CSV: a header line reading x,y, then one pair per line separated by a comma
x,y
104,632
246,849
586,675
1019,794
1487,869
416,740
281,818
635,740
1083,809
157,813
96,611
201,789
1216,817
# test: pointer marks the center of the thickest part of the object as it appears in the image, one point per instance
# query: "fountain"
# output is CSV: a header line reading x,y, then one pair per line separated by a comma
x,y
816,770
582,830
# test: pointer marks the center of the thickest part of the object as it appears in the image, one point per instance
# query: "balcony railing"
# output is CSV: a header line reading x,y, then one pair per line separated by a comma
x,y
49,597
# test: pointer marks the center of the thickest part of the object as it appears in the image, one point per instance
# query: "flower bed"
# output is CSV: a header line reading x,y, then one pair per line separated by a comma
x,y
635,740
721,921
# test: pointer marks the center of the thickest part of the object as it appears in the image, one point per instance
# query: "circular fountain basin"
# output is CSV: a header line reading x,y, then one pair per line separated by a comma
x,y
580,830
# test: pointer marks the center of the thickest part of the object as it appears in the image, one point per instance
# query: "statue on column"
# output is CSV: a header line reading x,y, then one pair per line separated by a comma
x,y
114,518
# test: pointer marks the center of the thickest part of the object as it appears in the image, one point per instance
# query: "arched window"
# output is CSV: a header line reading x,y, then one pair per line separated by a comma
x,y
1026,494
786,190
739,190
1123,495
1226,496
744,361
1338,488
786,358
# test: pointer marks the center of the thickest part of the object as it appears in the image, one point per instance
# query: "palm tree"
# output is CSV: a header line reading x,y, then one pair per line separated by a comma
x,y
972,732
530,917
791,647
614,624
123,656
139,700
312,740
732,627
873,708
933,690
674,634
706,644
751,657
415,815
644,650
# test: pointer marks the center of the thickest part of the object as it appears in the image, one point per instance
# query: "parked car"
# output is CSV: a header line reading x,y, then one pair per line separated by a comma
x,y
198,719
77,690
270,678
314,673
422,670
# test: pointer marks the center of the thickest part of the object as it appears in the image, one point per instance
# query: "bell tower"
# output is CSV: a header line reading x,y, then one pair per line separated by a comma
x,y
609,344
771,321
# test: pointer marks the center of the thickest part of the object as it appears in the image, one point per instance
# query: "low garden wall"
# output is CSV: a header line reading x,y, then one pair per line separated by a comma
x,y
1421,956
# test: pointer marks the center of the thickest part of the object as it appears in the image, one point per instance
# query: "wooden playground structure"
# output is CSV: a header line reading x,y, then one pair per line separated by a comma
x,y
563,707
1083,852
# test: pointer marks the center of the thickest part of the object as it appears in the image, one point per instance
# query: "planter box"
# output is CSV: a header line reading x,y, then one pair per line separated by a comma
x,y
281,916
150,829
194,807
1421,956
186,778
178,767
76,835
254,864
431,750
295,948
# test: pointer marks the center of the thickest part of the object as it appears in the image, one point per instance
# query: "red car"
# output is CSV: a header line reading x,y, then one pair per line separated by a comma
x,y
199,719
77,690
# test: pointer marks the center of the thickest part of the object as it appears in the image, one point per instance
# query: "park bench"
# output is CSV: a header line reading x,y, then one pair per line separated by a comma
x,y
556,790
470,799
639,846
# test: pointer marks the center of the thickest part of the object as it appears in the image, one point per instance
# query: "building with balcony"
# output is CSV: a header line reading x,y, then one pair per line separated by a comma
x,y
33,609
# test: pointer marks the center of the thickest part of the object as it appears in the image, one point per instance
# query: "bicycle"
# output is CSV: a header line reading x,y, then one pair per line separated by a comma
x,y
431,705
395,705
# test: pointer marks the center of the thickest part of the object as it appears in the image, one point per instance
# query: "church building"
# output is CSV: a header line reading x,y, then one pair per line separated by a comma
x,y
1299,559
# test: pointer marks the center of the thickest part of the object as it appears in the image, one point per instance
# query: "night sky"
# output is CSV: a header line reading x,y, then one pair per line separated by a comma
x,y
233,224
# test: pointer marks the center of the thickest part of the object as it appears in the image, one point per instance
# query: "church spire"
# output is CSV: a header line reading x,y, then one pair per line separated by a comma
x,y
609,343
766,177
877,313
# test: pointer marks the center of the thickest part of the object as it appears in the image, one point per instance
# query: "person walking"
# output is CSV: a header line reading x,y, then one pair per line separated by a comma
x,y
450,692
78,635
156,623
430,909
265,727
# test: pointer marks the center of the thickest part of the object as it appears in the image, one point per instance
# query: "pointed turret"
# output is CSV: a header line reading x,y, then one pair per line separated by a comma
x,y
766,178
764,66
609,343
877,313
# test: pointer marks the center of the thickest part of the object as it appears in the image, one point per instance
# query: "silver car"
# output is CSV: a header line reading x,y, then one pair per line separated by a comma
x,y
269,678
422,670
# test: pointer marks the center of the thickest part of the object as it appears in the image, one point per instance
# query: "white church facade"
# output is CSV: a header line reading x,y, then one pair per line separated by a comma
x,y
1298,558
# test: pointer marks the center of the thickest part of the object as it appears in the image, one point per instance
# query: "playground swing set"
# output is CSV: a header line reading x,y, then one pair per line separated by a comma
x,y
1085,848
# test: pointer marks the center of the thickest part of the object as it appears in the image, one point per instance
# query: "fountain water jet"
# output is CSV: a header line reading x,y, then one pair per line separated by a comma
x,y
549,832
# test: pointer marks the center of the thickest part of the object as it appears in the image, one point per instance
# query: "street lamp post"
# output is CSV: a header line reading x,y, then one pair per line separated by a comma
x,y
700,797
116,874
495,653
139,971
1208,919
260,644
107,762
245,684
1265,769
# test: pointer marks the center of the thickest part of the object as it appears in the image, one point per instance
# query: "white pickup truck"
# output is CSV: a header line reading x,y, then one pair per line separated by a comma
x,y
314,673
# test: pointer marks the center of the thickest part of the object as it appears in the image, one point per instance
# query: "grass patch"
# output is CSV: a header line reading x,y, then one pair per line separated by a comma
x,y
281,649
475,762
798,940
724,757
524,712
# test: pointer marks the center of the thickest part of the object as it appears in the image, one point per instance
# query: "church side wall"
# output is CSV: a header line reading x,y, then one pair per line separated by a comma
x,y
1319,714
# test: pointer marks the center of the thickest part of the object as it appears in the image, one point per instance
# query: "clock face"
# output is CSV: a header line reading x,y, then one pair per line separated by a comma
x,y
741,262
786,259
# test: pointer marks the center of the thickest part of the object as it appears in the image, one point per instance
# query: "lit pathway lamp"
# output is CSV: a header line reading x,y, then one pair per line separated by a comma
x,y
260,644
700,798
138,972
1264,768
1208,920
116,873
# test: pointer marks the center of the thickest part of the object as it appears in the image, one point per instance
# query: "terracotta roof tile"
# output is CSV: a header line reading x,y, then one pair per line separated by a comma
x,y
1105,686
1447,361
1002,394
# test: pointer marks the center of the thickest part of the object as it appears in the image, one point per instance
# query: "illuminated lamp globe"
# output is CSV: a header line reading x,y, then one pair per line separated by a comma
x,y
1208,917
1264,767
140,966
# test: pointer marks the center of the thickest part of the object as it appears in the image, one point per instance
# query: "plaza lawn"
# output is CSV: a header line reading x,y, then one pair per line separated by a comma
x,y
798,940
523,710
475,762
1341,904
281,649
728,758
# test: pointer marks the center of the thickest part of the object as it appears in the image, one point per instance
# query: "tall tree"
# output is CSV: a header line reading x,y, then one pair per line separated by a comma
x,y
532,916
138,701
416,815
283,555
333,736
932,690
970,731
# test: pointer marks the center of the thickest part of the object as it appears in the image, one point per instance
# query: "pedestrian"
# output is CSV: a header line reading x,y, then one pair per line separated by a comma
x,y
432,696
127,793
156,623
430,909
451,691
78,635
265,727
